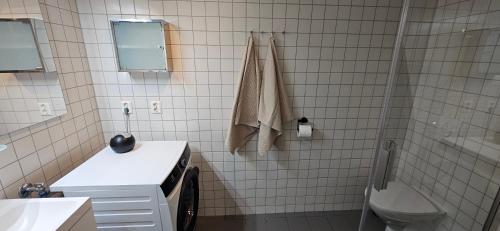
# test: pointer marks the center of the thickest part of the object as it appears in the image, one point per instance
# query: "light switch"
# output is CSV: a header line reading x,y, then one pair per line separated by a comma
x,y
44,109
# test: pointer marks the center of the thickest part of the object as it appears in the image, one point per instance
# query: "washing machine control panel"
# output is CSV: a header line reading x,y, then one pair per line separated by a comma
x,y
175,176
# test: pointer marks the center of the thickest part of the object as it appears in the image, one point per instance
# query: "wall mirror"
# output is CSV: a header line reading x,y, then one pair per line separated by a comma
x,y
30,91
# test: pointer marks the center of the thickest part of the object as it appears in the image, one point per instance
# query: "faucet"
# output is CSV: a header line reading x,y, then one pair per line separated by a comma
x,y
26,189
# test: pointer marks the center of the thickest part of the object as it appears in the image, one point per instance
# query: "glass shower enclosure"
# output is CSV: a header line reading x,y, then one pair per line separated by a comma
x,y
440,128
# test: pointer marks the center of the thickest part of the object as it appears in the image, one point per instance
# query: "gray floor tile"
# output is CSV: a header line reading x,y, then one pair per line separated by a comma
x,y
298,223
210,223
349,221
344,220
319,223
374,223
277,224
255,222
308,221
234,224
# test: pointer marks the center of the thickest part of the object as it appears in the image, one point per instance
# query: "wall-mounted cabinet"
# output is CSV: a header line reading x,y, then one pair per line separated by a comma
x,y
24,46
140,45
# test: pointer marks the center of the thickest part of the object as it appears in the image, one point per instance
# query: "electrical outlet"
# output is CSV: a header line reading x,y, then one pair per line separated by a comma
x,y
126,104
44,109
155,107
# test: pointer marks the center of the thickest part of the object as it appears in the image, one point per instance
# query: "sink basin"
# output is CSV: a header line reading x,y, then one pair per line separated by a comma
x,y
47,214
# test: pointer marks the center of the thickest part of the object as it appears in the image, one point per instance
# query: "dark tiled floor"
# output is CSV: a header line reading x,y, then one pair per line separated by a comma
x,y
310,221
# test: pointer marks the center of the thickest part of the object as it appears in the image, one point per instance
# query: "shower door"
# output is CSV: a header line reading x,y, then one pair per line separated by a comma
x,y
442,111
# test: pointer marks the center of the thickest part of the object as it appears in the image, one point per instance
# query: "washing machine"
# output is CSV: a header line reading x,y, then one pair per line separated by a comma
x,y
153,187
181,191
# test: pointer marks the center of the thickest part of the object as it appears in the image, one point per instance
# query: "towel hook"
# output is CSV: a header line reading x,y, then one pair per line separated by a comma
x,y
263,32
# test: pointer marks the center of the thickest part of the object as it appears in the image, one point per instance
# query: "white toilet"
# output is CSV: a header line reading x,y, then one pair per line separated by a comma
x,y
404,208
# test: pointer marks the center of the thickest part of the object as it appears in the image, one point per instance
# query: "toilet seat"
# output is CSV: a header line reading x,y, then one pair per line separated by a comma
x,y
402,203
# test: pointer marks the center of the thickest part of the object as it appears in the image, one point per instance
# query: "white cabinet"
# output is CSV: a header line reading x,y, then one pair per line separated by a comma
x,y
140,45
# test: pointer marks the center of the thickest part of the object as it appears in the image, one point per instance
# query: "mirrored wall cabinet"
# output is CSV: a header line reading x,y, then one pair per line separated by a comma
x,y
24,46
141,45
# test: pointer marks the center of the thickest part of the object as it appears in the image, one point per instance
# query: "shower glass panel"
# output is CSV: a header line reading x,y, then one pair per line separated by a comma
x,y
444,112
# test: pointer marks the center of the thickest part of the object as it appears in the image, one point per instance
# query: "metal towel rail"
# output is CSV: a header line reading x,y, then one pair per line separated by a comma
x,y
385,163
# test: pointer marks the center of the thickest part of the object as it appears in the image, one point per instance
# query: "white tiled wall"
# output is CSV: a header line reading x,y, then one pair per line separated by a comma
x,y
451,95
44,152
335,56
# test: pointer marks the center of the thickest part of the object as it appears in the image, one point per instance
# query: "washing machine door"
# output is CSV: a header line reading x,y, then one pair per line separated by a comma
x,y
187,211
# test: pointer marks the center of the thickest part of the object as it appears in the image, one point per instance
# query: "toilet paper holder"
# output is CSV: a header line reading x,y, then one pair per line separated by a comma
x,y
302,121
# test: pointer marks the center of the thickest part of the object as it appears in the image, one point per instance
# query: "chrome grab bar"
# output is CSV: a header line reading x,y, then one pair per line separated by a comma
x,y
384,165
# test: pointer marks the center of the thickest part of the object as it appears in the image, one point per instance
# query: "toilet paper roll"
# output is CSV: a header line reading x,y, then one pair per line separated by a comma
x,y
305,130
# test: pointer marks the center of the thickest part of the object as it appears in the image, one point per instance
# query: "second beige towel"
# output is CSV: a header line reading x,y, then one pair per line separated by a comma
x,y
274,107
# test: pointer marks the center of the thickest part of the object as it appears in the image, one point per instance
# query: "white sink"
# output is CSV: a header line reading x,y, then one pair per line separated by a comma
x,y
70,213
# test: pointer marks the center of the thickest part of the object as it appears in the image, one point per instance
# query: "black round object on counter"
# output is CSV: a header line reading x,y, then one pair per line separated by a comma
x,y
122,143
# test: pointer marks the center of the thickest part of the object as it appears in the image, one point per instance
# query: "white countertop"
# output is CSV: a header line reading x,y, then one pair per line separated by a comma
x,y
148,164
39,214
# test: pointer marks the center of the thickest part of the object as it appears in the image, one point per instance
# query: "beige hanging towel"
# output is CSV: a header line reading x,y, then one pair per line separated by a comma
x,y
244,120
274,108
